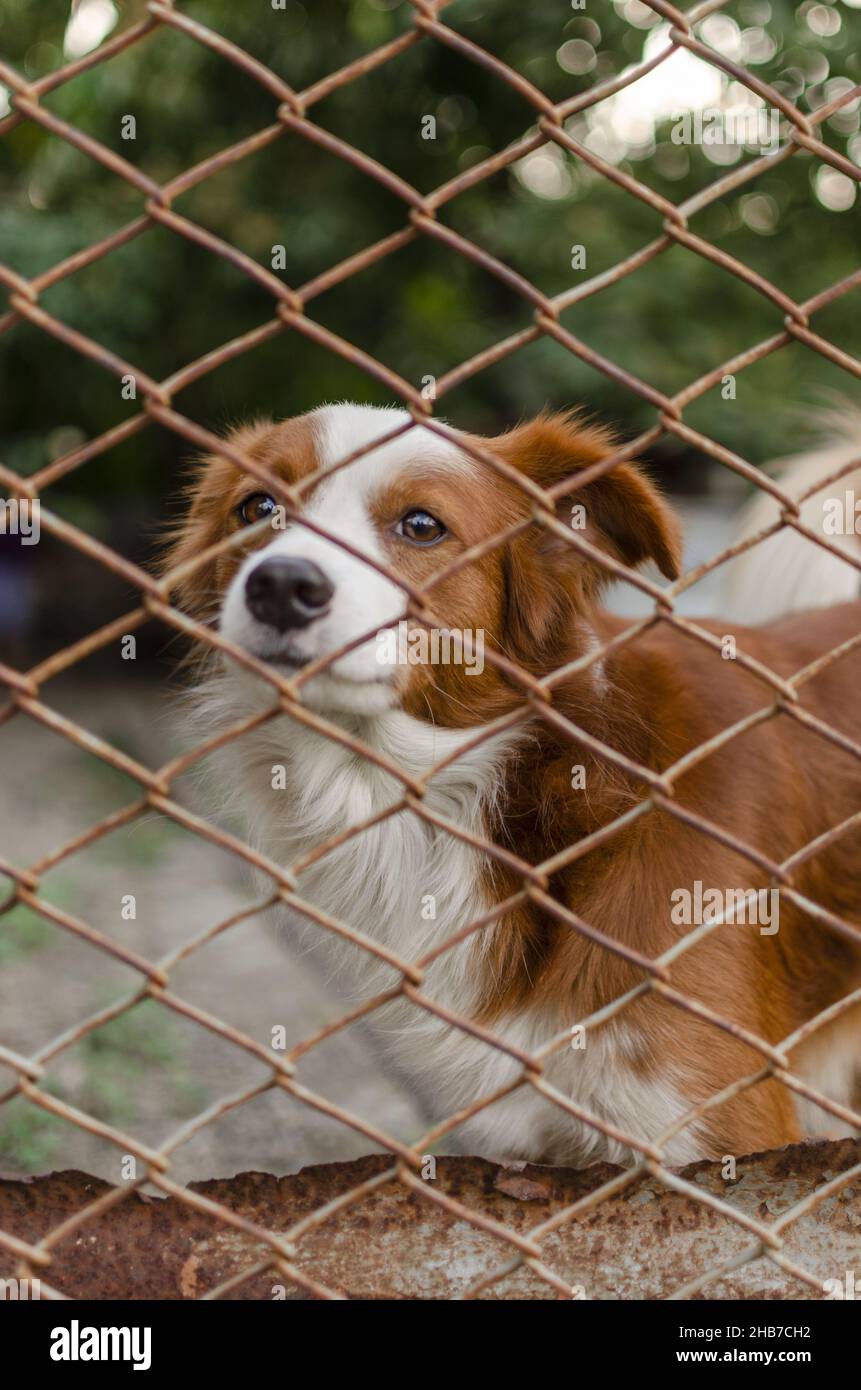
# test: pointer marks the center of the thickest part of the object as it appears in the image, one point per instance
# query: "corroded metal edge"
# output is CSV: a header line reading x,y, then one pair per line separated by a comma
x,y
642,1241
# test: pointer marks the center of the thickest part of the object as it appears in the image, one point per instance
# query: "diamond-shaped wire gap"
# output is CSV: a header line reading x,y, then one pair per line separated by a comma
x,y
110,46
85,144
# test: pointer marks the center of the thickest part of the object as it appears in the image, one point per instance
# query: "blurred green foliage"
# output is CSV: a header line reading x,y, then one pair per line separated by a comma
x,y
161,301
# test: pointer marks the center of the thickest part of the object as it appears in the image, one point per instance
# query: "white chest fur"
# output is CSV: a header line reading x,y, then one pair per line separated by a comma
x,y
409,885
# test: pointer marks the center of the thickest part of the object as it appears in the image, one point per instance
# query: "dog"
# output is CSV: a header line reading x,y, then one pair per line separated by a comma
x,y
523,765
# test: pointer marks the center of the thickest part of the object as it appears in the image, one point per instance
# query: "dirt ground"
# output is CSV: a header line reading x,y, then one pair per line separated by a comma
x,y
151,1070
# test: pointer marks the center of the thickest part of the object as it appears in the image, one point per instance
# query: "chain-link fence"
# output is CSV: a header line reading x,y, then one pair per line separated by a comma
x,y
293,111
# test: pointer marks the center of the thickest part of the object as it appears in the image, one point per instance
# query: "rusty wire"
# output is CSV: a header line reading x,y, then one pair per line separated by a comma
x,y
291,113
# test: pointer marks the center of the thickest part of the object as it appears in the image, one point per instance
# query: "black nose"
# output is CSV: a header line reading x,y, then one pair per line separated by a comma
x,y
285,593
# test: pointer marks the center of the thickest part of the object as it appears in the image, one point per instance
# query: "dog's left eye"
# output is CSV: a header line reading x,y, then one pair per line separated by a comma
x,y
421,528
255,508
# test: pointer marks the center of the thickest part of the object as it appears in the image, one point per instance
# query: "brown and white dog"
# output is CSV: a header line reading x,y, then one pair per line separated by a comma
x,y
413,505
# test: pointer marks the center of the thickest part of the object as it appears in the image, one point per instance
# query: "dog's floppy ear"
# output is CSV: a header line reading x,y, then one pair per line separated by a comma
x,y
623,511
550,584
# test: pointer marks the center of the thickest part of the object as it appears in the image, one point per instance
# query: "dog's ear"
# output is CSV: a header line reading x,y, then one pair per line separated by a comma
x,y
623,513
550,582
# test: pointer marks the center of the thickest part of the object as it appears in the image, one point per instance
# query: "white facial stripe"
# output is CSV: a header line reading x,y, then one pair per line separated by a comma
x,y
341,429
364,599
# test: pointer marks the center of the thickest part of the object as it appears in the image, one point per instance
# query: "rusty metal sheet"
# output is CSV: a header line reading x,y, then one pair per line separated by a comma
x,y
644,1242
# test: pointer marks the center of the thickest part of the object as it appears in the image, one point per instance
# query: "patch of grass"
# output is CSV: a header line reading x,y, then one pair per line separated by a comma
x,y
22,931
143,843
143,1044
30,1137
137,1044
109,786
119,1073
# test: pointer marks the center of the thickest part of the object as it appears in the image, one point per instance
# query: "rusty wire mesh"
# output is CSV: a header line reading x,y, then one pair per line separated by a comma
x,y
548,124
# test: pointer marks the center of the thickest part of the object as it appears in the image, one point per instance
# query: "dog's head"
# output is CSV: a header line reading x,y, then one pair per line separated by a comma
x,y
387,573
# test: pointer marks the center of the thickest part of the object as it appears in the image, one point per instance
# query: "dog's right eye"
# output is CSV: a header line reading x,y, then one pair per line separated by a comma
x,y
255,508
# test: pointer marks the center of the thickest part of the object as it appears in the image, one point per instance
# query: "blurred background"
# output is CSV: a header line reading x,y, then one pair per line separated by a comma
x,y
161,302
